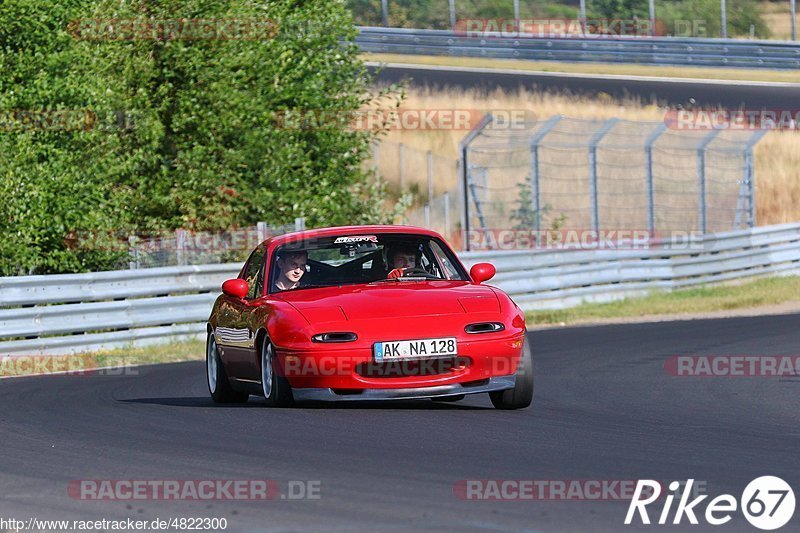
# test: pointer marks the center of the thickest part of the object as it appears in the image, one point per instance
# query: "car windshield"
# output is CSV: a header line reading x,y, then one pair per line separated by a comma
x,y
362,258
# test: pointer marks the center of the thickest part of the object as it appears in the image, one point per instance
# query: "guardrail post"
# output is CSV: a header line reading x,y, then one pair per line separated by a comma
x,y
427,211
385,12
793,10
536,139
701,179
648,150
463,170
593,142
516,15
300,224
453,15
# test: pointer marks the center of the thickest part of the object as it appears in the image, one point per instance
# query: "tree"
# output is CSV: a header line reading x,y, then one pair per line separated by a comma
x,y
207,149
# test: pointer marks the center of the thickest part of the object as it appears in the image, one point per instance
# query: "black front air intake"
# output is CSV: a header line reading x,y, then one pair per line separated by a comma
x,y
484,327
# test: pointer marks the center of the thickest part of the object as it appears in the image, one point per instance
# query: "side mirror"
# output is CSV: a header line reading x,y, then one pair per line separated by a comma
x,y
481,272
235,287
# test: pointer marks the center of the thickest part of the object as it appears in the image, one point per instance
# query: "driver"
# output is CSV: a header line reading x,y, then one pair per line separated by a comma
x,y
292,265
401,258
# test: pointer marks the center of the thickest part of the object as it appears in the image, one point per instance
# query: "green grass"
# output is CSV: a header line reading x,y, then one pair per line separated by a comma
x,y
161,353
767,291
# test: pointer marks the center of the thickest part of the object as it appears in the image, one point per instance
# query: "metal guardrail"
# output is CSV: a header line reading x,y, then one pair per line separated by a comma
x,y
645,50
560,279
66,313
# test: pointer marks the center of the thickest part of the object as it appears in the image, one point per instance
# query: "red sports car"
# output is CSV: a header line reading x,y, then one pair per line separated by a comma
x,y
365,313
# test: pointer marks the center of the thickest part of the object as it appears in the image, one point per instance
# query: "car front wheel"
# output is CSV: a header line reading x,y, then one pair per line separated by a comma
x,y
218,384
274,385
521,395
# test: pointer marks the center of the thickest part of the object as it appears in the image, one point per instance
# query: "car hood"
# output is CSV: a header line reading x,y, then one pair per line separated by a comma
x,y
392,300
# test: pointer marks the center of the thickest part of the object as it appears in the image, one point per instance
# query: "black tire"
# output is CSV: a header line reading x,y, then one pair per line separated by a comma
x,y
218,385
279,392
454,398
521,395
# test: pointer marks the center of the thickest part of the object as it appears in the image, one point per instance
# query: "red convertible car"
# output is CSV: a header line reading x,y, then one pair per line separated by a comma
x,y
365,313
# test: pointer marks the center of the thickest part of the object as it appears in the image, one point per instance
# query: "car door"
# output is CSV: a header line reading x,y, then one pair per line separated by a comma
x,y
240,351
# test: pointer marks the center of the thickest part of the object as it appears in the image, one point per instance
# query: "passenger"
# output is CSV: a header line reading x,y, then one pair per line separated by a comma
x,y
292,265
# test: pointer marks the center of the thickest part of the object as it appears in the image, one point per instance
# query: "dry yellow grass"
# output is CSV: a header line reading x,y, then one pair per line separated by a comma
x,y
778,18
777,156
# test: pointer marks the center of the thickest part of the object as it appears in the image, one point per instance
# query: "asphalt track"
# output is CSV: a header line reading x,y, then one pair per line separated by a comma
x,y
604,409
734,95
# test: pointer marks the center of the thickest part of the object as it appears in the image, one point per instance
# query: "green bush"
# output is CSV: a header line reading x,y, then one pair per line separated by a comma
x,y
207,149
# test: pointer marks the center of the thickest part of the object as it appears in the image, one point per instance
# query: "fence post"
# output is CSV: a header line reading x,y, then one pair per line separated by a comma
x,y
724,16
463,171
596,138
133,253
583,17
475,198
453,15
701,180
751,189
261,230
180,246
793,11
430,177
446,199
385,12
536,139
648,151
376,158
427,211
300,224
652,18
750,176
402,166
516,15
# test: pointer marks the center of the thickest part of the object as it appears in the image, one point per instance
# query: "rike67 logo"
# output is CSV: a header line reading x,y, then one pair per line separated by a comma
x,y
767,503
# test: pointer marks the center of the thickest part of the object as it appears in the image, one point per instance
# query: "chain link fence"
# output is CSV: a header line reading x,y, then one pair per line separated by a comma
x,y
185,247
603,175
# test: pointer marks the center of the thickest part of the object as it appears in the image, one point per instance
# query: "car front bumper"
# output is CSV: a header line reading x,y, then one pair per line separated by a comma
x,y
497,383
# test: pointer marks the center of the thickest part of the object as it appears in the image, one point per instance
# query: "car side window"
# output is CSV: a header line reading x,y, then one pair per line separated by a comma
x,y
450,270
253,273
